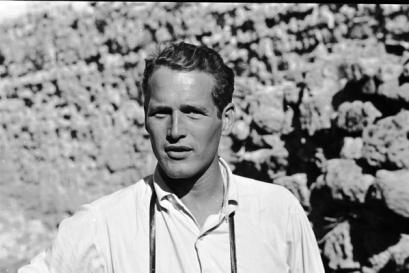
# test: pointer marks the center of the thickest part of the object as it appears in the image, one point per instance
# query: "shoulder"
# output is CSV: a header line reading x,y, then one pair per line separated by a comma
x,y
136,192
270,200
269,205
249,187
111,206
114,208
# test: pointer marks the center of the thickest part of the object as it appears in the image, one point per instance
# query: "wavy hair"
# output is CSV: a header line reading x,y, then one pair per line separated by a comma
x,y
188,57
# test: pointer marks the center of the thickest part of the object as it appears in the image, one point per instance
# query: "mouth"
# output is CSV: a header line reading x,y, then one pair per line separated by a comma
x,y
177,152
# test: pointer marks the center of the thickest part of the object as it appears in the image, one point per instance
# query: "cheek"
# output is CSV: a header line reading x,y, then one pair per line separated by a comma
x,y
154,127
209,139
156,134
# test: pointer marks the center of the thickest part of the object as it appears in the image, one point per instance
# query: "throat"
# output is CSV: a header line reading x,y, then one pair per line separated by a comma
x,y
203,194
202,207
205,199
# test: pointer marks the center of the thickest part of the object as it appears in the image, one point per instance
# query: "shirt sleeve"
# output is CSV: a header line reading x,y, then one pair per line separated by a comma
x,y
304,255
73,250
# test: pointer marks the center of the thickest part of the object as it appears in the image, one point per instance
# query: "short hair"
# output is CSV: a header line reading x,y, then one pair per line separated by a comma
x,y
188,57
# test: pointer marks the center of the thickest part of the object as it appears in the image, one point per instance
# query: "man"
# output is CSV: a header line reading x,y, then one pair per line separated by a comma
x,y
192,214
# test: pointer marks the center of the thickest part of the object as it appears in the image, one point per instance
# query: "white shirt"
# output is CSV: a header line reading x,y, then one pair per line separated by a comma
x,y
111,234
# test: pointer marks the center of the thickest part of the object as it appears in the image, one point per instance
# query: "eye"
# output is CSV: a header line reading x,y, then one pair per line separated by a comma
x,y
193,113
159,113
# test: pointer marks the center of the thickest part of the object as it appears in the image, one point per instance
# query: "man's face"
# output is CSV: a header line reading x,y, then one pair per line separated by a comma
x,y
181,119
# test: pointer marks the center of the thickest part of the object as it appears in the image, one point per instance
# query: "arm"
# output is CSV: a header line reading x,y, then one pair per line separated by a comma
x,y
303,253
73,250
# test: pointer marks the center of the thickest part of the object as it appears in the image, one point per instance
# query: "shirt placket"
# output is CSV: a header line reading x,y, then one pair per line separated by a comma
x,y
203,246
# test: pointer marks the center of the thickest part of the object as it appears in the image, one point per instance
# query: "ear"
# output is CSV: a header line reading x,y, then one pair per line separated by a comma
x,y
147,127
146,120
228,117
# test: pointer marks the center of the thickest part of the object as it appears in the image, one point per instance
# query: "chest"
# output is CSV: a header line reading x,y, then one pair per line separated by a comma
x,y
182,247
202,214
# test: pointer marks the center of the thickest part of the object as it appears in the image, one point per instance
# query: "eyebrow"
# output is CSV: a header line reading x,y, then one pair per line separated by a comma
x,y
182,107
158,107
194,107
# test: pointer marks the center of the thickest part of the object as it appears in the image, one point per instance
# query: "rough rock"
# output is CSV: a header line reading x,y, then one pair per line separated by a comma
x,y
337,248
240,130
256,138
345,180
291,93
269,119
257,157
394,188
394,90
315,115
354,116
351,148
274,157
386,143
389,71
266,156
398,254
267,110
403,92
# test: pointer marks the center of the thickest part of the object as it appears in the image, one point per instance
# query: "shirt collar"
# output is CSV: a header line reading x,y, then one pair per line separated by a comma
x,y
229,184
163,192
161,188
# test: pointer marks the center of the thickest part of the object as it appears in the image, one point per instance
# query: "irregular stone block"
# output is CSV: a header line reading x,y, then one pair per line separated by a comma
x,y
345,180
352,148
256,138
291,93
274,158
257,157
403,92
337,248
398,253
269,119
394,188
393,90
266,108
389,72
386,143
315,115
240,130
354,116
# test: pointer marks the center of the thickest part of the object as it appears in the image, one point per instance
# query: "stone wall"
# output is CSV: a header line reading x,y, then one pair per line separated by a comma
x,y
322,94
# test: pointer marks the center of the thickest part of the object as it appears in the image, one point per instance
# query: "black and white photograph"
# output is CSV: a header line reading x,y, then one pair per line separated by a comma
x,y
204,137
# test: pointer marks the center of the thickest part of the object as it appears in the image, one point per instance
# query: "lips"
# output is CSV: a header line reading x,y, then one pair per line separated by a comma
x,y
177,151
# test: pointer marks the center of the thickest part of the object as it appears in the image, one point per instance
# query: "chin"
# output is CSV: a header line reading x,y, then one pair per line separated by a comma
x,y
176,171
179,174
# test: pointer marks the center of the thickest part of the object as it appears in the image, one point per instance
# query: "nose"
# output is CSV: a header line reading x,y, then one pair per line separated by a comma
x,y
176,129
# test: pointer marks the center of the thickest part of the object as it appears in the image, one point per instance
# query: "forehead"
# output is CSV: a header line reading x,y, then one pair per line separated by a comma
x,y
167,84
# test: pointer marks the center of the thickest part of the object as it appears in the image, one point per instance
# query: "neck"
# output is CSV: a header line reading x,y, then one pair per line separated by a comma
x,y
202,188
